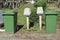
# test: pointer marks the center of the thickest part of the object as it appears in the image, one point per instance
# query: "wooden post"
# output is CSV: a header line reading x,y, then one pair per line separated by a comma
x,y
27,23
40,22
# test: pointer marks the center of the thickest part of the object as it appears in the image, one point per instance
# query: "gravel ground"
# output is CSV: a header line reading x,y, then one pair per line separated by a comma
x,y
30,36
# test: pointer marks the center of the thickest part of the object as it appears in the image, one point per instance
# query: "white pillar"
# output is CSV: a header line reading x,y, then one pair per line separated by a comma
x,y
27,23
10,4
13,3
16,4
40,22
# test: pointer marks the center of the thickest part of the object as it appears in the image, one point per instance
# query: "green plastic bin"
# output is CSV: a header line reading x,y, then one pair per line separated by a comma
x,y
10,21
51,20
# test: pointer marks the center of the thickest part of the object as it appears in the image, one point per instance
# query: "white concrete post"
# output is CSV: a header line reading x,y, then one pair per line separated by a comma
x,y
27,23
27,13
40,21
40,12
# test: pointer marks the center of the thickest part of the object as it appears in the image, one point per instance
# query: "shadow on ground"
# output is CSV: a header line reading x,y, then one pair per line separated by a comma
x,y
2,25
19,27
31,24
44,26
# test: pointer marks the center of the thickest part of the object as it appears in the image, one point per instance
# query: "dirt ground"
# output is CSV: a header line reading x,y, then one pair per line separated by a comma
x,y
30,36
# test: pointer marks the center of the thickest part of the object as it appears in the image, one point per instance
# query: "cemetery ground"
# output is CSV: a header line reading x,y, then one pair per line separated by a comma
x,y
34,33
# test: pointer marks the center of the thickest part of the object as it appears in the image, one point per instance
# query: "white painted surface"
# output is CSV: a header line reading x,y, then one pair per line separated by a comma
x,y
2,30
27,11
40,10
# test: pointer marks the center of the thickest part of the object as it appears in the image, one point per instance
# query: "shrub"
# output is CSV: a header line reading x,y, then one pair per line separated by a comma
x,y
40,3
34,16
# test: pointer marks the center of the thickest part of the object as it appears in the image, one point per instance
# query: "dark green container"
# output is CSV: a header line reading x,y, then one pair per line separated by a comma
x,y
10,21
51,20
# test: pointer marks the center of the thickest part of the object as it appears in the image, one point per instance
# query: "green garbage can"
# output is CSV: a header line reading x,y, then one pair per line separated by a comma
x,y
51,20
10,21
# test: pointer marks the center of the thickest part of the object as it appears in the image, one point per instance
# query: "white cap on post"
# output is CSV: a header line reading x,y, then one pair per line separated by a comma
x,y
27,11
40,10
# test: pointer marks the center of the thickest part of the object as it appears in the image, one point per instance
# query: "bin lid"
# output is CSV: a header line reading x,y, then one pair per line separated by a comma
x,y
8,12
51,12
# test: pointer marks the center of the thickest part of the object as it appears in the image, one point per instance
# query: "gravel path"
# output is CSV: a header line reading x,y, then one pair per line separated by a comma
x,y
30,36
